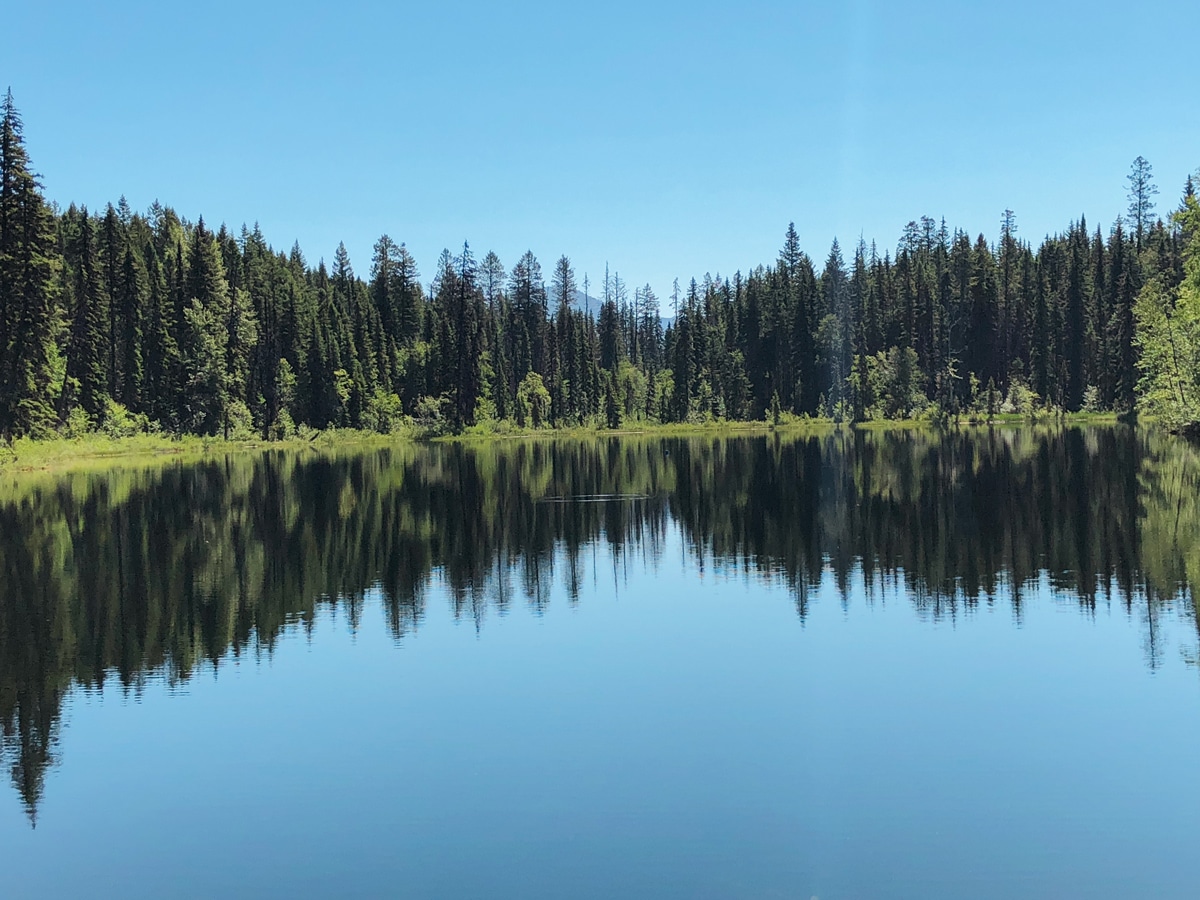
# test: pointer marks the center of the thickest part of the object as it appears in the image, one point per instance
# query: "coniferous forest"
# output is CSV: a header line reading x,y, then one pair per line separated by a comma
x,y
117,320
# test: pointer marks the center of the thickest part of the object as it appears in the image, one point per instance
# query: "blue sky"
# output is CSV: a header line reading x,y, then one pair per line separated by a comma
x,y
666,139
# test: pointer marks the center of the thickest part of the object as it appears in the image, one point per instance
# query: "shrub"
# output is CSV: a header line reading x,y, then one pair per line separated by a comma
x,y
119,422
1021,398
239,423
384,412
533,401
431,415
284,428
78,424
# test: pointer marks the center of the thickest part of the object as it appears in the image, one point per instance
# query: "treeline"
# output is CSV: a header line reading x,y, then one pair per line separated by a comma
x,y
125,573
128,322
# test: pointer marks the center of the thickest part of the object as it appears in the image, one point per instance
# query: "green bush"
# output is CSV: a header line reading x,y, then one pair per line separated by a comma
x,y
284,428
533,401
78,424
431,415
119,422
384,412
239,422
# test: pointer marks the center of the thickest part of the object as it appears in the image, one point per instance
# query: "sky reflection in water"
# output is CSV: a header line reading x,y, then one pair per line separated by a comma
x,y
894,664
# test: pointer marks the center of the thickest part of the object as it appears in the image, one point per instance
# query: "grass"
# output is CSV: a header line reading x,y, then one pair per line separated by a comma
x,y
26,454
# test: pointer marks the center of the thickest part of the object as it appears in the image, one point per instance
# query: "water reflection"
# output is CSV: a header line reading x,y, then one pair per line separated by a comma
x,y
131,572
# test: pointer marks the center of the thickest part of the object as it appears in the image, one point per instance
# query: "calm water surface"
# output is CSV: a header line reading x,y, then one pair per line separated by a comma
x,y
894,664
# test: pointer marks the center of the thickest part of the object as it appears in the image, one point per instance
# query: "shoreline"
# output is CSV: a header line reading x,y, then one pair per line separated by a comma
x,y
28,455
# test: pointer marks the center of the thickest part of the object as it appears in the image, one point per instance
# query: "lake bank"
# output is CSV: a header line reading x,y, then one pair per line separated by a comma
x,y
27,454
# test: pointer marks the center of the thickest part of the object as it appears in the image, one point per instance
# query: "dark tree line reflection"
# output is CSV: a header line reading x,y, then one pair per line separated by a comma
x,y
137,571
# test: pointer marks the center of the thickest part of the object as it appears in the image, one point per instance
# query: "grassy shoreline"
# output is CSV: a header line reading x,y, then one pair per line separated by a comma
x,y
26,454
58,453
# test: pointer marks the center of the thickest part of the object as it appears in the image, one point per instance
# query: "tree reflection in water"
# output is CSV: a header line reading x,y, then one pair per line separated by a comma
x,y
135,572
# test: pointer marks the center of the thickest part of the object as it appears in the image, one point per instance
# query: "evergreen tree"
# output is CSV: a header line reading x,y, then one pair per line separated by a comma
x,y
31,369
205,350
88,350
161,362
836,297
215,334
1141,198
111,252
1168,337
1075,334
132,299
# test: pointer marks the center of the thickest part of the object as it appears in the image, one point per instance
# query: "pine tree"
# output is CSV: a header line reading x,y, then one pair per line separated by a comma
x,y
88,350
31,367
383,284
1075,334
527,298
240,341
610,336
206,395
835,290
1124,283
564,289
132,299
458,338
112,251
1141,199
406,289
194,328
162,364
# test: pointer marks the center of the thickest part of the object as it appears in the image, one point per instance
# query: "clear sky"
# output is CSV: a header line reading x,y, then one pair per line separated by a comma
x,y
668,139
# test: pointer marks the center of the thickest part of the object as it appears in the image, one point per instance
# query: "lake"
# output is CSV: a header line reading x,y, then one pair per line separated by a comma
x,y
834,664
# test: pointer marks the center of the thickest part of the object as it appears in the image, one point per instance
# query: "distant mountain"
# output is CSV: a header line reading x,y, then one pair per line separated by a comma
x,y
587,303
591,304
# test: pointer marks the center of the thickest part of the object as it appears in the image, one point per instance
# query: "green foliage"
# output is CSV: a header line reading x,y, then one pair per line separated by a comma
x,y
992,398
239,423
1168,337
384,412
30,323
1021,398
77,424
485,411
180,324
285,386
206,393
284,428
533,402
631,388
119,422
343,388
492,427
893,377
664,392
612,408
431,416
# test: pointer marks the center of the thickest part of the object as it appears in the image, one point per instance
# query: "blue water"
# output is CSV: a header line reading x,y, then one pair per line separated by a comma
x,y
675,730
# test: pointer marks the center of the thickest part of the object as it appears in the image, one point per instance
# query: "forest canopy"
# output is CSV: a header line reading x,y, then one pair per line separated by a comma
x,y
128,322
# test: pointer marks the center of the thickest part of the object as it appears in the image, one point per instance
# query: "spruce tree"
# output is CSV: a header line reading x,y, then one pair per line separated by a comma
x,y
1141,198
132,300
31,370
88,353
111,251
161,357
206,395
